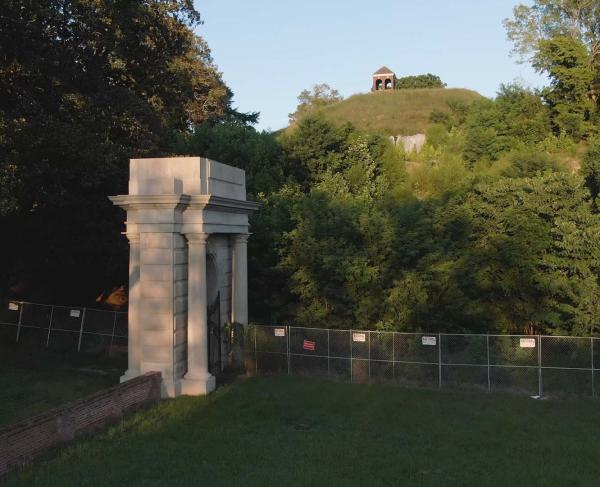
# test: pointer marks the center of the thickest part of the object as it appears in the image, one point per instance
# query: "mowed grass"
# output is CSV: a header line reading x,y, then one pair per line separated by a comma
x,y
286,431
35,380
398,112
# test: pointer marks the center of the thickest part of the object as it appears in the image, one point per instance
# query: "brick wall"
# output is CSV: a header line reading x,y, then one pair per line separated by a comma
x,y
23,441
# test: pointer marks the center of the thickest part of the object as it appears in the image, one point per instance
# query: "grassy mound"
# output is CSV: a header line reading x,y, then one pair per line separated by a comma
x,y
291,431
398,112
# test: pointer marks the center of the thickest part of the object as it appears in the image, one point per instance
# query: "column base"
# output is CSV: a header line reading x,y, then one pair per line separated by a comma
x,y
193,386
129,374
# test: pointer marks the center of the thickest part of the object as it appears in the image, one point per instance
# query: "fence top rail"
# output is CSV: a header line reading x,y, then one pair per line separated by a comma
x,y
67,307
423,333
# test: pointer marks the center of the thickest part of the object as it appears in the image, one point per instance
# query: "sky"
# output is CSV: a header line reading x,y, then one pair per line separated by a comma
x,y
270,50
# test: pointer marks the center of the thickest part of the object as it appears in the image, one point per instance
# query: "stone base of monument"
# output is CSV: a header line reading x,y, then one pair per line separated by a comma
x,y
198,387
128,375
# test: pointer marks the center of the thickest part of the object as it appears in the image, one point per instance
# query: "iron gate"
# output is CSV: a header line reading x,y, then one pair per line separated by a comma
x,y
214,336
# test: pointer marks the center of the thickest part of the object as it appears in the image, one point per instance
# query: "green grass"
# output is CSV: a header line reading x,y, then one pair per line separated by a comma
x,y
398,112
35,380
291,431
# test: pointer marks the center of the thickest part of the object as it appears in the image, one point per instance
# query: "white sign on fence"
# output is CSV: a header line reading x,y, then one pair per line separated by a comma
x,y
432,341
527,342
75,313
279,332
359,337
13,306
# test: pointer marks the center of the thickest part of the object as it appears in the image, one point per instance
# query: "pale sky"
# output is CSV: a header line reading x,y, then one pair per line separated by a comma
x,y
270,50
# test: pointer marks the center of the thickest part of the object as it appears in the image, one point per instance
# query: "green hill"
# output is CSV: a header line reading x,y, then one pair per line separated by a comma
x,y
398,112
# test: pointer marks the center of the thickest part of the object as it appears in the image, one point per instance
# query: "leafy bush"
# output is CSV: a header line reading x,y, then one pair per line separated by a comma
x,y
528,163
420,81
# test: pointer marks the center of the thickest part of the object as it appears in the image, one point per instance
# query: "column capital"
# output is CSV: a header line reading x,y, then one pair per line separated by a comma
x,y
133,237
197,238
241,238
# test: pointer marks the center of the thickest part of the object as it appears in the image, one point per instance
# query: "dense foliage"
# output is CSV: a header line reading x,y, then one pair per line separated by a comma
x,y
493,226
85,85
419,81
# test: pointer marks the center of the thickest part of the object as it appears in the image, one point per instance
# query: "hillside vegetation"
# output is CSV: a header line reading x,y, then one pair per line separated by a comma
x,y
397,112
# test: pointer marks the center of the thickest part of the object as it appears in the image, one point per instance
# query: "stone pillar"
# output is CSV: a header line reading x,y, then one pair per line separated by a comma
x,y
197,380
134,350
239,311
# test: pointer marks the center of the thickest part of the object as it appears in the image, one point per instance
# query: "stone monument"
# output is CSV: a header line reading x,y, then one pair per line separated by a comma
x,y
187,226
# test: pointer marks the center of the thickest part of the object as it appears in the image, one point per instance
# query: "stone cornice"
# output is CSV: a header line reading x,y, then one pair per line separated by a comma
x,y
219,203
144,202
184,201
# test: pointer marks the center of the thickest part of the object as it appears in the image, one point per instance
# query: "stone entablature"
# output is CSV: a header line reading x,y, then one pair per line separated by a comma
x,y
178,208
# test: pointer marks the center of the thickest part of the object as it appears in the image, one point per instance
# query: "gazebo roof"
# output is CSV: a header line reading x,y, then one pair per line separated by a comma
x,y
383,70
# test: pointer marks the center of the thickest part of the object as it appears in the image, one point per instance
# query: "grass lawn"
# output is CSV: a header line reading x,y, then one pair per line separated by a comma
x,y
35,380
293,431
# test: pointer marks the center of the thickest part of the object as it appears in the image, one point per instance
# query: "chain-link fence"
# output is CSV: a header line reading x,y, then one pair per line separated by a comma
x,y
529,364
63,328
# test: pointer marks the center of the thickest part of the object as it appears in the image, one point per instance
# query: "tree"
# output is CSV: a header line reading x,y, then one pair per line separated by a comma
x,y
561,38
548,19
564,59
516,118
529,163
313,147
420,81
84,86
535,256
590,168
311,100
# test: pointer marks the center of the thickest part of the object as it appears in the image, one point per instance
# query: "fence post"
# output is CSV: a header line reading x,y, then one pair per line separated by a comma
x,y
393,355
288,354
540,389
593,374
488,363
255,351
22,304
369,356
439,360
328,355
112,336
351,360
81,330
50,326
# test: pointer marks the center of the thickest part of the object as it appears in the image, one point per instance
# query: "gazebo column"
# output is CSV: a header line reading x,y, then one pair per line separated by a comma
x,y
239,290
134,343
197,380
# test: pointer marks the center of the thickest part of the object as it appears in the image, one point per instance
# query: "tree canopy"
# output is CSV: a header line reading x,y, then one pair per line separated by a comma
x,y
84,86
311,100
420,81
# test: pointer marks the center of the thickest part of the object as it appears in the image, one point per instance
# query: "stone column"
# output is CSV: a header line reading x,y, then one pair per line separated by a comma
x,y
239,290
197,380
134,346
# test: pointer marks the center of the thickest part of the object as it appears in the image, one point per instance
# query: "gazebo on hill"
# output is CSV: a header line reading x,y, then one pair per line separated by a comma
x,y
384,79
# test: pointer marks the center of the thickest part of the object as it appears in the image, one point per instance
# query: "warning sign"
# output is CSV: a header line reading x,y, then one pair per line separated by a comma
x,y
527,342
13,306
279,332
309,345
359,337
431,341
75,313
